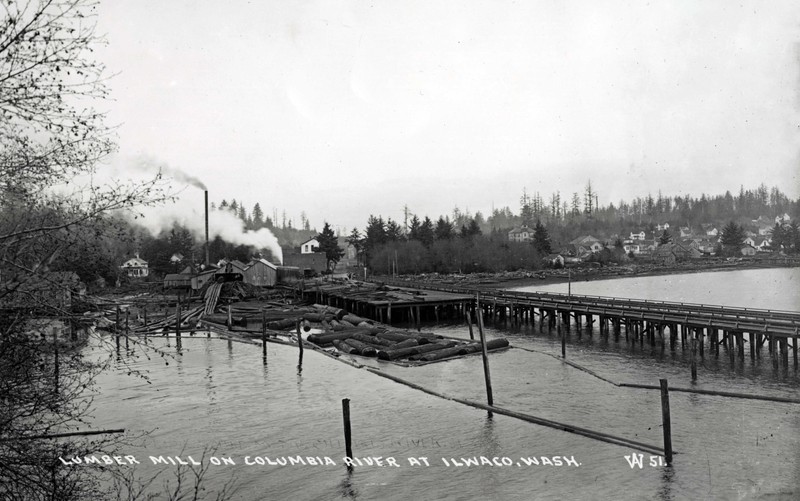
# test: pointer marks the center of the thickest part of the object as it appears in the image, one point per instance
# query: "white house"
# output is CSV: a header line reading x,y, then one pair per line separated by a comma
x,y
521,234
662,227
630,246
637,236
309,246
136,267
784,219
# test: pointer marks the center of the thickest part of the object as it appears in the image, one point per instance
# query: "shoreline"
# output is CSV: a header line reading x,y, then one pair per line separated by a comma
x,y
513,280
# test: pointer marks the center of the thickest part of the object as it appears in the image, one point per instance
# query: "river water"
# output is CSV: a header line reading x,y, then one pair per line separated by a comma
x,y
215,393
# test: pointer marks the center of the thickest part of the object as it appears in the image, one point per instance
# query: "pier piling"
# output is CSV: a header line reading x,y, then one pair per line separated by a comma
x,y
665,419
348,446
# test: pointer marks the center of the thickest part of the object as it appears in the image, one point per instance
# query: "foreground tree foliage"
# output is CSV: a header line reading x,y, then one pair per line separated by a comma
x,y
51,140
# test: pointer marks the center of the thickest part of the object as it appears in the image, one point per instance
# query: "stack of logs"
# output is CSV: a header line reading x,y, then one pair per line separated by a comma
x,y
357,336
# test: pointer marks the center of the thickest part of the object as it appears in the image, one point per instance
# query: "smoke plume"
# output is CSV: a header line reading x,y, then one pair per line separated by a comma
x,y
189,213
151,165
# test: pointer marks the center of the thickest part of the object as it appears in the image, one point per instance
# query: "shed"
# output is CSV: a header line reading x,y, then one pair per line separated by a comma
x,y
288,275
178,281
261,272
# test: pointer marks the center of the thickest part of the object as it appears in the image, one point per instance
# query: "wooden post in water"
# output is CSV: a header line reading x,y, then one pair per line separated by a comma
x,y
299,345
145,314
348,446
264,333
230,318
665,420
486,374
563,344
419,320
694,353
178,319
469,324
116,323
794,351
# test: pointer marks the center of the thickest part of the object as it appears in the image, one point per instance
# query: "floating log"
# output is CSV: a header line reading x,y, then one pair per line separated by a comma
x,y
373,340
222,319
354,319
440,354
328,337
405,344
395,336
344,347
363,348
337,313
317,317
413,350
278,325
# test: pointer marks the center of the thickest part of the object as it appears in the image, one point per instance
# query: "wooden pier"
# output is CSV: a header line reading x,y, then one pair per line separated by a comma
x,y
390,304
690,325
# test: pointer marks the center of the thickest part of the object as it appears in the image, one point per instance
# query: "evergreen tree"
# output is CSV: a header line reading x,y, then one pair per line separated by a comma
x,y
665,238
357,242
394,232
732,238
426,235
258,217
444,229
541,240
413,229
329,244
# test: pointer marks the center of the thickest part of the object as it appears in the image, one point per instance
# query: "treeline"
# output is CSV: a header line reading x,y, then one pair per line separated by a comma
x,y
465,242
584,212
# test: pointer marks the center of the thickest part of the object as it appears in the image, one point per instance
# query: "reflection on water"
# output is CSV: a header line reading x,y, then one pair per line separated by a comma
x,y
232,398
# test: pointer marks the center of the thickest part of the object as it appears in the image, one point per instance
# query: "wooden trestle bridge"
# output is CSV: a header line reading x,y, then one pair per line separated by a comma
x,y
663,323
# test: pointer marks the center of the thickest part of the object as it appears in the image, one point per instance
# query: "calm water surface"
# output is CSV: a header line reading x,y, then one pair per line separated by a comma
x,y
219,394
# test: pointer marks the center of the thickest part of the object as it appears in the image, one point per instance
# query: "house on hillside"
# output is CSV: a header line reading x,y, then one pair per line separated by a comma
x,y
555,260
309,246
710,230
686,232
662,227
748,250
762,244
176,258
631,247
136,267
588,243
783,219
520,234
637,236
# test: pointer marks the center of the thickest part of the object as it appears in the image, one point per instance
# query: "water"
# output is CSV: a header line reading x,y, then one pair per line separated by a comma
x,y
216,393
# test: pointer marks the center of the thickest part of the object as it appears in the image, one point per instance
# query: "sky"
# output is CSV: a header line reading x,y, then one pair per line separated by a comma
x,y
344,109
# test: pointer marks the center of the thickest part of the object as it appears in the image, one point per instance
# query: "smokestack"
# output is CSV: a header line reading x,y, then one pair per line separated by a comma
x,y
206,195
